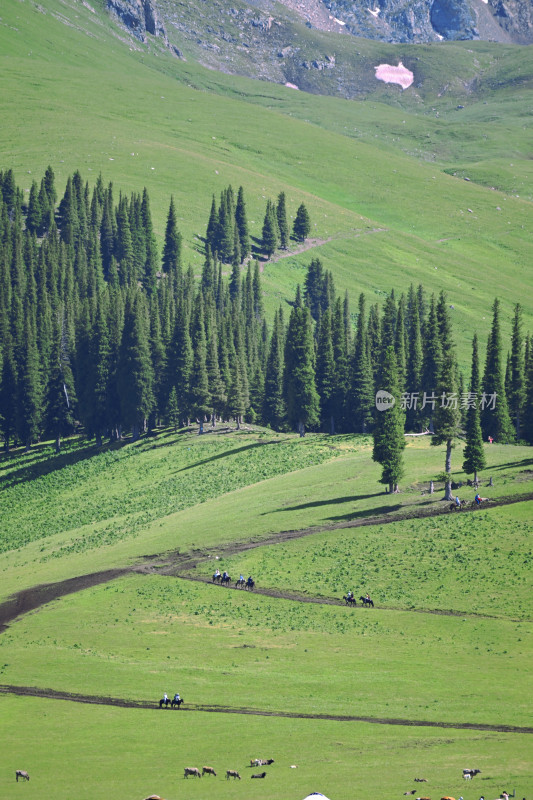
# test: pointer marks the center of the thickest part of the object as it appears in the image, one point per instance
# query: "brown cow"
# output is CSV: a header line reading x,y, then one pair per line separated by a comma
x,y
21,773
191,771
208,771
232,773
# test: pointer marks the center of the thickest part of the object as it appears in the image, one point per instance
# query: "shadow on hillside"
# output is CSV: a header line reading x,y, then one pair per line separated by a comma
x,y
226,453
55,462
525,462
330,502
376,511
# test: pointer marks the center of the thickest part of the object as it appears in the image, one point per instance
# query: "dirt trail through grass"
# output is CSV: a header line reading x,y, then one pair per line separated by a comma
x,y
119,702
179,565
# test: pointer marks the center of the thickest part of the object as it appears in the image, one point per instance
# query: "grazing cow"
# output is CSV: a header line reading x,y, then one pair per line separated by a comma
x,y
194,771
21,773
261,775
413,791
208,771
261,762
232,773
468,774
421,780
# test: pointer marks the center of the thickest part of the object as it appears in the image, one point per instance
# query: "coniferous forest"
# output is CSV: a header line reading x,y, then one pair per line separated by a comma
x,y
103,335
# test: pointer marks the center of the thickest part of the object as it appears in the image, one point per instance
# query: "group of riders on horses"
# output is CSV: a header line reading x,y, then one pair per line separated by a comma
x,y
166,701
224,578
350,600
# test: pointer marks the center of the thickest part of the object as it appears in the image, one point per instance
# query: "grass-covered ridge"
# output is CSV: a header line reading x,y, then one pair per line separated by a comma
x,y
126,487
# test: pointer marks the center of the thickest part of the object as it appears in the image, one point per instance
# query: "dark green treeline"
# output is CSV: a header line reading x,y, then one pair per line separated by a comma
x,y
103,334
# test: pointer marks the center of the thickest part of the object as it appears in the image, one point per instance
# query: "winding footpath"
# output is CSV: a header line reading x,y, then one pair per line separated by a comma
x,y
178,565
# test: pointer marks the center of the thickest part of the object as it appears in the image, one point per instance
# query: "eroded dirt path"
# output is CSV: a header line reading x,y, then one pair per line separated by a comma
x,y
178,565
118,702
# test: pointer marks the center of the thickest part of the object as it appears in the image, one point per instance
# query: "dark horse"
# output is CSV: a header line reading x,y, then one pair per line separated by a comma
x,y
366,601
240,584
216,577
176,702
164,703
250,583
225,579
350,601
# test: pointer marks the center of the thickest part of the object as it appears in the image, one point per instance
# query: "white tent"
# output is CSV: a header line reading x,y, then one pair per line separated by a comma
x,y
315,795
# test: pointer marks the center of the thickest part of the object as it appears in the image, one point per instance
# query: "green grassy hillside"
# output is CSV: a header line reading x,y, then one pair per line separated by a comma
x,y
447,644
382,178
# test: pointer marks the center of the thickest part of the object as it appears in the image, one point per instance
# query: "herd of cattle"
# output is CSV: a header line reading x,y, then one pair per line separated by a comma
x,y
194,772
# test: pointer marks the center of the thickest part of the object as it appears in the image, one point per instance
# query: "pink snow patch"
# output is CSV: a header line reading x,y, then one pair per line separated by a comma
x,y
399,74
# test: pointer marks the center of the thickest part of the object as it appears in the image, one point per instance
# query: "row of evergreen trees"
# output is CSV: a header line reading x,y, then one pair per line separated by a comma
x,y
97,330
228,236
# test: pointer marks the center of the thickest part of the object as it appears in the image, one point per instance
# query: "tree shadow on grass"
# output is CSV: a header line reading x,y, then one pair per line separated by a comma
x,y
225,454
525,462
376,511
54,462
330,502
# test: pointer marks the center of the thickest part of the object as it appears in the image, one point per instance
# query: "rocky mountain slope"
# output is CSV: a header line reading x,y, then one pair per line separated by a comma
x,y
312,44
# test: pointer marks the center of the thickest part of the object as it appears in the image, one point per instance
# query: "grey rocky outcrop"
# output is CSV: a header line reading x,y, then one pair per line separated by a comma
x,y
139,16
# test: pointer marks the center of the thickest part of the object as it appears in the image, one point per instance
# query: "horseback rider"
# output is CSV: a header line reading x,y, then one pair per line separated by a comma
x,y
349,596
177,697
225,575
241,579
165,699
457,502
250,580
217,573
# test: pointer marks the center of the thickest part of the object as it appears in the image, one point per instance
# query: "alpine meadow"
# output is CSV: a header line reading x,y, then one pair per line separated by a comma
x,y
266,399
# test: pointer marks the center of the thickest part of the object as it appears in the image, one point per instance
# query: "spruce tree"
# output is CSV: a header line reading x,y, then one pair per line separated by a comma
x,y
495,420
473,454
325,374
362,402
200,401
414,370
172,410
241,222
172,246
151,264
60,397
516,395
283,225
302,224
388,433
269,241
236,404
446,416
301,397
273,402
8,392
135,376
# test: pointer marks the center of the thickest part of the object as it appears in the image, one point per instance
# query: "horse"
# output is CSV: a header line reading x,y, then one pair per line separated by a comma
x,y
176,701
225,580
216,577
250,583
240,584
366,601
164,702
350,601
